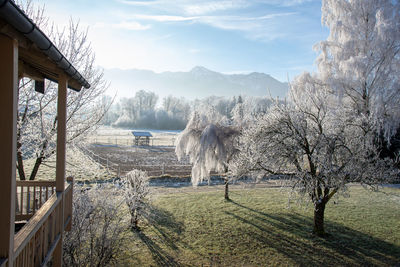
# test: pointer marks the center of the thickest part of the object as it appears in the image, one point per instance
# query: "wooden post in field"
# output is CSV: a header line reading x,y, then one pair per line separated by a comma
x,y
8,144
60,164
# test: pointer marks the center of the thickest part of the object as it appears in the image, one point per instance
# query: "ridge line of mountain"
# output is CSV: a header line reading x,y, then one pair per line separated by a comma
x,y
199,82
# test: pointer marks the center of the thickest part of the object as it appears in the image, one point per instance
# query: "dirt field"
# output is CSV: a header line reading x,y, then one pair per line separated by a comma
x,y
115,149
156,161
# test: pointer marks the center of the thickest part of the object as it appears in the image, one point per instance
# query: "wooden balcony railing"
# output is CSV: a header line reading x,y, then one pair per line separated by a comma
x,y
31,195
34,244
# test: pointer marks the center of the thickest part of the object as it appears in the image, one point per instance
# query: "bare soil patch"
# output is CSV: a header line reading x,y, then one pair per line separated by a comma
x,y
156,160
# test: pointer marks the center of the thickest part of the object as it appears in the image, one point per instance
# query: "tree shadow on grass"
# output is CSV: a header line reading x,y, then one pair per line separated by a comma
x,y
160,256
164,236
290,235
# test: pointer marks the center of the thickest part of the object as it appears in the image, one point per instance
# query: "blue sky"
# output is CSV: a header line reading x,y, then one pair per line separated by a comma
x,y
270,36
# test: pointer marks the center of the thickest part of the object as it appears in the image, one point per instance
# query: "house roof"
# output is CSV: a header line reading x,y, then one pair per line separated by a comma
x,y
137,133
38,57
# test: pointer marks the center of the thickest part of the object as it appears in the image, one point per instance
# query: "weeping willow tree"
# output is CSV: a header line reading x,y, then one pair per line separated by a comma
x,y
209,140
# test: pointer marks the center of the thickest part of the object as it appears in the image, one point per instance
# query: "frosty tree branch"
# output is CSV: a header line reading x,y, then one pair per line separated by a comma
x,y
37,122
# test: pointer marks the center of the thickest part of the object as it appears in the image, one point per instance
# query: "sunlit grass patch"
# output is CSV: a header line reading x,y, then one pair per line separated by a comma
x,y
257,228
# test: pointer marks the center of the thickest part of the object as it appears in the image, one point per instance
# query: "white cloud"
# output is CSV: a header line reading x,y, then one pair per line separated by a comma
x,y
138,3
285,3
162,18
213,6
224,22
243,16
191,7
131,25
126,25
201,7
295,2
272,16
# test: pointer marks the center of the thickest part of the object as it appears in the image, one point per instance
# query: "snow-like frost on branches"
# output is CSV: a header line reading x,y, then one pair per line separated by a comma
x,y
98,227
360,59
313,142
37,113
330,131
209,141
136,192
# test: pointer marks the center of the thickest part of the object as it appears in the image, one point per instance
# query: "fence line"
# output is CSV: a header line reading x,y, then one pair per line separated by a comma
x,y
123,140
152,170
109,165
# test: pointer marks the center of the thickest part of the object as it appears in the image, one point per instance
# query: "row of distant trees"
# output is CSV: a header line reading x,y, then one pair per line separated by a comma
x,y
143,110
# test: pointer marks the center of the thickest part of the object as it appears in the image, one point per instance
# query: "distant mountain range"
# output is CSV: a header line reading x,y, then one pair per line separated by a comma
x,y
197,83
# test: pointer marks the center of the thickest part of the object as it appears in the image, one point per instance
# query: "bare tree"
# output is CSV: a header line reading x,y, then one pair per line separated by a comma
x,y
36,118
136,192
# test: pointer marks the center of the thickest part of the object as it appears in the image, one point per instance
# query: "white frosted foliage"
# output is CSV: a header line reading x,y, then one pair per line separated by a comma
x,y
37,113
209,141
329,132
360,59
136,191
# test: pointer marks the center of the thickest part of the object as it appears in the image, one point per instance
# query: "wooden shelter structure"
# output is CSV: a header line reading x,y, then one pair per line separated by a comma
x,y
142,138
25,51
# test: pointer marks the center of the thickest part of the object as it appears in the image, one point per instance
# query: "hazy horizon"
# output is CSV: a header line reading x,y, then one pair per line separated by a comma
x,y
197,83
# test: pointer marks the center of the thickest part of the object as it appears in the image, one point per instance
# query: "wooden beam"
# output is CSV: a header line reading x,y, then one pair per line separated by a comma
x,y
36,60
25,70
8,125
61,132
39,61
61,155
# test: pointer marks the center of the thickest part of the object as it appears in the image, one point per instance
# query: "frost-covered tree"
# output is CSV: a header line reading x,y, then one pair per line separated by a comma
x,y
314,144
98,227
37,113
209,140
326,135
360,59
136,191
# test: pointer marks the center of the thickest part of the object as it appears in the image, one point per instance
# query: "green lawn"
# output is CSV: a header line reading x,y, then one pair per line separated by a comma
x,y
258,229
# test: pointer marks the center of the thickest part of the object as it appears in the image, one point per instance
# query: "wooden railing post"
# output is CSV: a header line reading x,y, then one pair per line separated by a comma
x,y
60,164
8,145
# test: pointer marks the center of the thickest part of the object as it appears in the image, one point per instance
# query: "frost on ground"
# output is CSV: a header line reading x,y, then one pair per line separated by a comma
x,y
78,165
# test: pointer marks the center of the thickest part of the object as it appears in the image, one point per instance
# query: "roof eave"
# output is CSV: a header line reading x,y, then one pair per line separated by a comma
x,y
25,28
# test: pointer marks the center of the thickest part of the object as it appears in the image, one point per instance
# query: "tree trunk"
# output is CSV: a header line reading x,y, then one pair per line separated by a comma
x,y
226,189
134,220
319,219
35,168
20,162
